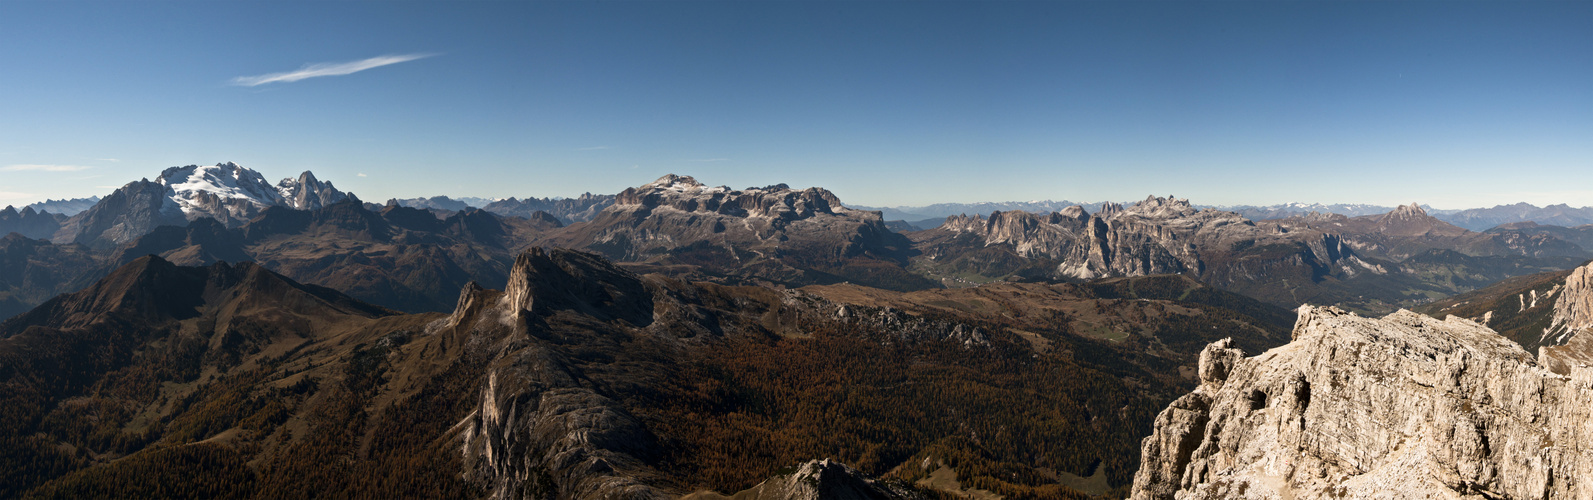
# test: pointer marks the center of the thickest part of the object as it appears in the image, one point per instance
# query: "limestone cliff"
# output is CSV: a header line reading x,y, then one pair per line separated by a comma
x,y
1567,344
1406,406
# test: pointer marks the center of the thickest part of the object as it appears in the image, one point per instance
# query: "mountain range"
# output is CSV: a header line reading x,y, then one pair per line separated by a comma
x,y
1475,219
1374,263
67,207
210,334
772,235
579,379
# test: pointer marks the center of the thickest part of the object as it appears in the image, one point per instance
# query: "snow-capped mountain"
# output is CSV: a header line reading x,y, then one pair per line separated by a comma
x,y
194,188
227,192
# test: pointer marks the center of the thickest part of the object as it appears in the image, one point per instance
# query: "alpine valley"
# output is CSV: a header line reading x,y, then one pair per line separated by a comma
x,y
211,334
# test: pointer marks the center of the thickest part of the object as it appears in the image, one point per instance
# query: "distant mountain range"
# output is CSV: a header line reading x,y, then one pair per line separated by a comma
x,y
1285,254
65,207
1475,219
443,202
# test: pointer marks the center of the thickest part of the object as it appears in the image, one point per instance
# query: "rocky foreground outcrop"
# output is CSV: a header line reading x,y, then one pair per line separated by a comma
x,y
1406,406
816,480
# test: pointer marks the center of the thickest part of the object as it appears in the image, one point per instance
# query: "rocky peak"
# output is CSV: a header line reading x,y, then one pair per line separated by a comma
x,y
1161,208
1412,211
309,193
965,224
546,280
1074,212
131,211
685,194
1110,210
1404,406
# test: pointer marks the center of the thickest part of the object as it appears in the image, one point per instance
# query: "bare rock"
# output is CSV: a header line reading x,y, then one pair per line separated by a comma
x,y
1406,406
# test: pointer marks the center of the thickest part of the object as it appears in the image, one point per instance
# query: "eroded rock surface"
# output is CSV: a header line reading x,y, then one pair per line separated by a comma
x,y
1406,406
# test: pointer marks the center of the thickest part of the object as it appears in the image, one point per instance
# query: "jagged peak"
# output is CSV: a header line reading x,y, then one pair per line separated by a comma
x,y
470,302
549,279
1159,207
1407,212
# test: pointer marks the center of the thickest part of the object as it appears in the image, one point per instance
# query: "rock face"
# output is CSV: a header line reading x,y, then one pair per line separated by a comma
x,y
131,211
308,193
1401,407
1566,342
1546,313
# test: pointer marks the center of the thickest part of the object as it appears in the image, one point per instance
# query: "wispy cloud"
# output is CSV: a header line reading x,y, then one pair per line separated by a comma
x,y
327,69
12,195
112,160
44,168
362,174
709,159
593,148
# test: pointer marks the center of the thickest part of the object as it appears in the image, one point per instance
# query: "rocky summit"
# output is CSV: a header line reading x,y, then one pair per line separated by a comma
x,y
1406,406
773,234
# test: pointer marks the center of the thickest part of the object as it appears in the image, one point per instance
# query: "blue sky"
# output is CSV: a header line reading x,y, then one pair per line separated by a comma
x,y
1456,104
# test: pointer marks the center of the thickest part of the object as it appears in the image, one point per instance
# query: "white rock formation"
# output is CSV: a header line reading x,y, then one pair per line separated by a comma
x,y
1401,407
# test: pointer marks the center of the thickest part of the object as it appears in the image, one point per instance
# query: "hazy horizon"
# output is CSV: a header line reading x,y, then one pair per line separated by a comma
x,y
1455,105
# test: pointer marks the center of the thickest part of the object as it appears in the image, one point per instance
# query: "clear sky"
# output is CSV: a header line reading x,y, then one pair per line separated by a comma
x,y
1456,104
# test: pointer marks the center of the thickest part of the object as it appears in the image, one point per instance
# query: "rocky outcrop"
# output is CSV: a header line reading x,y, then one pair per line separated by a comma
x,y
1406,406
817,480
309,193
1566,343
1573,311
